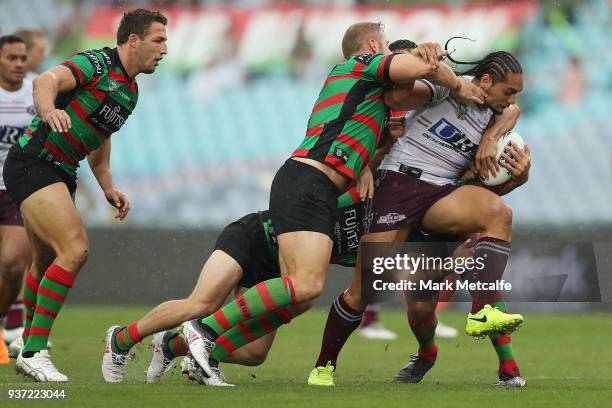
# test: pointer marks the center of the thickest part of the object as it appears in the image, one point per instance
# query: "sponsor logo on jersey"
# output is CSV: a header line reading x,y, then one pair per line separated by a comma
x,y
461,111
94,61
452,135
109,116
350,230
391,218
109,62
365,58
341,154
31,110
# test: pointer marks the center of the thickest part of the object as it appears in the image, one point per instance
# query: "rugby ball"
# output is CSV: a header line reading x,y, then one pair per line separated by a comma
x,y
503,175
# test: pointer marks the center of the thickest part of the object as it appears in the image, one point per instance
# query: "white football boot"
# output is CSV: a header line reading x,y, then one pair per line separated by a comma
x,y
160,364
39,367
199,345
113,360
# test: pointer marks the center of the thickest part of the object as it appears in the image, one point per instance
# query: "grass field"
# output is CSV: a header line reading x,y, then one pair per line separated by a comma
x,y
566,360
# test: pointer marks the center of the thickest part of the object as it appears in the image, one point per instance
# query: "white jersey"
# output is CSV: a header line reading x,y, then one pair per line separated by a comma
x,y
16,112
440,139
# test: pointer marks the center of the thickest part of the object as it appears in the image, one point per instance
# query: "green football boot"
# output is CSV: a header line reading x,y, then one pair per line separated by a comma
x,y
323,376
490,320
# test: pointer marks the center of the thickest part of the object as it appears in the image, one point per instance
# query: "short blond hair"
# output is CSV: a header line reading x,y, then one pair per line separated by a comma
x,y
356,34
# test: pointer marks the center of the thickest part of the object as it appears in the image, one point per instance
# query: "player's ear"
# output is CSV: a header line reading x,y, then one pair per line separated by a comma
x,y
486,82
133,40
373,45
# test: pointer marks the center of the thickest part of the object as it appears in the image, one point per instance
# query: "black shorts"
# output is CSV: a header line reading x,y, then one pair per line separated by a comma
x,y
9,213
303,198
245,241
24,173
401,200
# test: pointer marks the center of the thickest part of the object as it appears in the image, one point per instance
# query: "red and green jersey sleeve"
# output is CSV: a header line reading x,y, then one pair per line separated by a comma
x,y
100,104
82,68
349,115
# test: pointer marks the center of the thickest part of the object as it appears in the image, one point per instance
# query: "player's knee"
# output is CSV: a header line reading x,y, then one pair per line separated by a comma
x,y
499,213
421,311
13,268
257,356
75,255
308,289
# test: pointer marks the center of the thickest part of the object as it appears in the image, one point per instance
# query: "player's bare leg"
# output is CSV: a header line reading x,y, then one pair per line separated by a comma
x,y
422,321
50,214
218,277
303,257
346,312
472,209
42,257
14,259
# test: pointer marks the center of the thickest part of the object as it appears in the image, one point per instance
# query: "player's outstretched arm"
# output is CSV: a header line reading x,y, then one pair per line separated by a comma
x,y
46,88
99,162
405,68
485,162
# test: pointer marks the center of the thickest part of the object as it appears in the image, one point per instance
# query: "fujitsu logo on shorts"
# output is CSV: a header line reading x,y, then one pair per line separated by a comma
x,y
391,218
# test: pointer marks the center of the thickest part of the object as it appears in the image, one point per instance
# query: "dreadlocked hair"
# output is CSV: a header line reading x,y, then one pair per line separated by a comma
x,y
497,64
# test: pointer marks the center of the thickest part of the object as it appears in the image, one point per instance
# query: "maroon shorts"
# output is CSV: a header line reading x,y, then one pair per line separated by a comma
x,y
401,200
9,213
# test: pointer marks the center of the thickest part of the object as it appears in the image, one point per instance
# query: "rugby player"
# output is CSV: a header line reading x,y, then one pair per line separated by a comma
x,y
80,103
36,49
16,112
416,185
246,254
343,132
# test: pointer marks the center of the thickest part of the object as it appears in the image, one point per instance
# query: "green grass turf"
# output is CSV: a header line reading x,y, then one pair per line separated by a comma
x,y
566,359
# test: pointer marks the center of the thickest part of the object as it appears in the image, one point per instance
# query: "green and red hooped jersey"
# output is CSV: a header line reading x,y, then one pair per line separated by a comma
x,y
349,115
99,105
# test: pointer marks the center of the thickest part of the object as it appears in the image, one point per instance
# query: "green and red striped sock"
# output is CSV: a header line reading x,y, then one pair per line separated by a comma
x,y
29,301
425,334
266,296
503,348
50,298
175,346
249,331
127,337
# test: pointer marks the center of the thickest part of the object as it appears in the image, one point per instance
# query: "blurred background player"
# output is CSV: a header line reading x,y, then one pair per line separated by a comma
x,y
37,49
16,113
